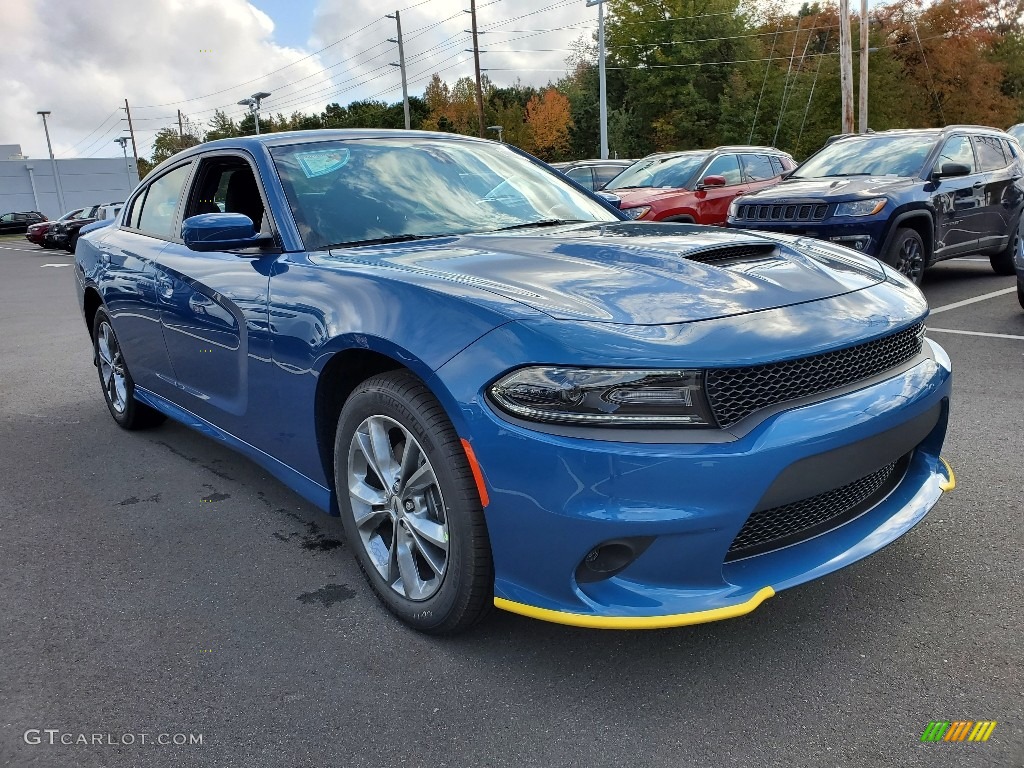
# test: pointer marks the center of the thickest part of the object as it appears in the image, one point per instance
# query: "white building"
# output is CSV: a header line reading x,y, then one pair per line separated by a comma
x,y
27,184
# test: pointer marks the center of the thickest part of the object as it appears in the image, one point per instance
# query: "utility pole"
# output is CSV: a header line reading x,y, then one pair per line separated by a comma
x,y
181,131
123,141
863,95
401,63
603,87
846,64
476,65
53,163
131,131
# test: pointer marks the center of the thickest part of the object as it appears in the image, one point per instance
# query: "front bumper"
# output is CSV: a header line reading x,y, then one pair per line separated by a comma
x,y
862,234
555,498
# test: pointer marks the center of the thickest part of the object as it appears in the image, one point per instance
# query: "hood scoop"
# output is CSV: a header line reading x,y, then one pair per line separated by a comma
x,y
734,254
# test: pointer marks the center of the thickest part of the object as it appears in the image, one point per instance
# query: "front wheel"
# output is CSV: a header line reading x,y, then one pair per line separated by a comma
x,y
118,387
410,507
1020,292
906,255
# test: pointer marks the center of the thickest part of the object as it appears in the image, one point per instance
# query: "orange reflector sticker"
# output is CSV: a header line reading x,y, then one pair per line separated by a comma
x,y
478,475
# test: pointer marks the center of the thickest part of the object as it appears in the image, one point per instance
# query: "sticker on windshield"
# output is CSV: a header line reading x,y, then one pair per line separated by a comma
x,y
322,161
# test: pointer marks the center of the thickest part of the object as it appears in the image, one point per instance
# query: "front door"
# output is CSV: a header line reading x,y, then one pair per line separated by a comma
x,y
214,304
713,202
958,200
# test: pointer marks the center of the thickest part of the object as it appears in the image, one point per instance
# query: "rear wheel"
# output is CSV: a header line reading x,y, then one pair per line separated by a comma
x,y
117,383
1020,292
72,241
906,254
410,507
1002,262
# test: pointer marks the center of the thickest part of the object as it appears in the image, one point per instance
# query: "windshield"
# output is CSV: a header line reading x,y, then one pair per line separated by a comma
x,y
360,190
674,171
869,156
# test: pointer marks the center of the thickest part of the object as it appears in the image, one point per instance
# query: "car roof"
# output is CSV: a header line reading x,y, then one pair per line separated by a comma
x,y
713,150
936,132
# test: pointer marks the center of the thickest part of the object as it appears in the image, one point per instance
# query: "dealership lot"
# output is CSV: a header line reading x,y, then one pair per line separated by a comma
x,y
157,583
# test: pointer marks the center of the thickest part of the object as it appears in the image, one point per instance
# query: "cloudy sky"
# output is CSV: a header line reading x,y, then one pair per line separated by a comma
x,y
82,60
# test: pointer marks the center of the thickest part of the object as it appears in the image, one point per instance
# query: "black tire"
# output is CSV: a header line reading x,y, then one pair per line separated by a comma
x,y
1020,292
906,254
1002,262
465,590
72,242
129,414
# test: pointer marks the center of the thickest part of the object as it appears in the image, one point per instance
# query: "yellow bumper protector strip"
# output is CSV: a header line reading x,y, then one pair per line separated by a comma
x,y
636,622
950,483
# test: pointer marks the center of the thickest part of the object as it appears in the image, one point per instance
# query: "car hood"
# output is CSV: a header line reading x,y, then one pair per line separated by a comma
x,y
631,273
632,197
848,187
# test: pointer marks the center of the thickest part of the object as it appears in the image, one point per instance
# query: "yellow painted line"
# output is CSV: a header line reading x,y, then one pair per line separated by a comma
x,y
635,622
950,483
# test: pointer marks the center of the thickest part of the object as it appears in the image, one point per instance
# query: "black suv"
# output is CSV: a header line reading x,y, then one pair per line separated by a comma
x,y
18,223
909,197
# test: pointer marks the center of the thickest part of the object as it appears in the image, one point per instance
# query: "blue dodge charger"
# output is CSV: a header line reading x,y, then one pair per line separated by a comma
x,y
513,396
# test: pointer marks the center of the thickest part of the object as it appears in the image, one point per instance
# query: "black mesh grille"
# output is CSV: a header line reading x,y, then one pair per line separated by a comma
x,y
785,212
735,393
776,527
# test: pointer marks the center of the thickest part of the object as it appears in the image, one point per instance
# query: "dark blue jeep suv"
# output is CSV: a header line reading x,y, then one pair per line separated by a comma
x,y
908,197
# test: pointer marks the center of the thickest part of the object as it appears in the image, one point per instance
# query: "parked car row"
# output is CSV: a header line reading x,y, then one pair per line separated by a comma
x,y
908,197
65,231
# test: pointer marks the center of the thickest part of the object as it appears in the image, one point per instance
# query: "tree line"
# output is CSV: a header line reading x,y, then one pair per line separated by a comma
x,y
688,74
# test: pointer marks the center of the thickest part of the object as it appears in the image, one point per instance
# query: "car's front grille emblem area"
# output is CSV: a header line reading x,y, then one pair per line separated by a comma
x,y
772,528
791,212
735,393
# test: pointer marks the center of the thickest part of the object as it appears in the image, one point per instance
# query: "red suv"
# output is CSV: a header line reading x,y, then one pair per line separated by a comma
x,y
696,186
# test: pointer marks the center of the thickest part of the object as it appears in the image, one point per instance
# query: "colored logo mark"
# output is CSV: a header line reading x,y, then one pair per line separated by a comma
x,y
958,730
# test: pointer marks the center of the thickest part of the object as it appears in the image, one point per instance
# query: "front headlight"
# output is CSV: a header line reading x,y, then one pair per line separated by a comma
x,y
734,206
605,397
637,213
861,207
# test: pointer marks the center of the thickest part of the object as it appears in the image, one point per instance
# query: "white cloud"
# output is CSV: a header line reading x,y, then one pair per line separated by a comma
x,y
82,60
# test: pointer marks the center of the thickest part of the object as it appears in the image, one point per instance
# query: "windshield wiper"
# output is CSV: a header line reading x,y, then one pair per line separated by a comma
x,y
539,223
837,175
383,240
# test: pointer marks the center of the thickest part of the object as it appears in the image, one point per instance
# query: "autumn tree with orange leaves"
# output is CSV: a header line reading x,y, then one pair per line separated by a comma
x,y
549,120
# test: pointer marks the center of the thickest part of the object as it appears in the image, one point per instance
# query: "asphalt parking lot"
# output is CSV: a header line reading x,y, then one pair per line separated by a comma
x,y
157,583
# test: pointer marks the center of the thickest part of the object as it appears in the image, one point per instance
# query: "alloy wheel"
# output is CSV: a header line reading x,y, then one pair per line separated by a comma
x,y
112,371
398,508
910,260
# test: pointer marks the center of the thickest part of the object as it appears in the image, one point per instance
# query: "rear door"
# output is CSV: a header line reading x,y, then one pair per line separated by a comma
x,y
213,305
7,223
759,171
713,202
958,200
1000,204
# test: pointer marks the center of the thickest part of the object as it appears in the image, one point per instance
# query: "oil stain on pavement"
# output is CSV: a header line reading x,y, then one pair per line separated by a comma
x,y
328,595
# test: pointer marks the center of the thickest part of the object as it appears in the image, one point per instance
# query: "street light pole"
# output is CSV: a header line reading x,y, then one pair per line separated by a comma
x,y
123,141
601,70
53,163
500,129
253,103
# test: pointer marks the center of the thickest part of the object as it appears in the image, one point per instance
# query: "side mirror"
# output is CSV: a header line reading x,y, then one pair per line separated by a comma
x,y
221,232
610,198
713,181
951,169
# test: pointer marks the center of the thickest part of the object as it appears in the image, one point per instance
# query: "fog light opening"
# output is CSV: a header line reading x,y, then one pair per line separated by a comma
x,y
607,559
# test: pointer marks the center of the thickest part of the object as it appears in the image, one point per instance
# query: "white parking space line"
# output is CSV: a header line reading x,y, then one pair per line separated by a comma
x,y
965,302
978,333
41,266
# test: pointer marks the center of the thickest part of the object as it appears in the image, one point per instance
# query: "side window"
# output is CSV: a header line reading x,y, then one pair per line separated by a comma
x,y
957,149
156,217
7,218
759,167
582,176
990,153
227,185
727,166
605,173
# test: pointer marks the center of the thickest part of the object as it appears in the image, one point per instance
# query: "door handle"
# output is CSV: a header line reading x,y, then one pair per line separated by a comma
x,y
979,184
198,303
